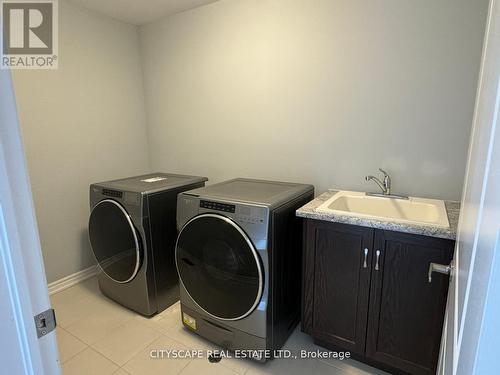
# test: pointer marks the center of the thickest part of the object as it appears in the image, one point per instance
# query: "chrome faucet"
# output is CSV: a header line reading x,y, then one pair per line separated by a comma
x,y
384,186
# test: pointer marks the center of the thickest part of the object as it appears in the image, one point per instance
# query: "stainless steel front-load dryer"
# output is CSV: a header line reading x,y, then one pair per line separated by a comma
x,y
132,234
239,259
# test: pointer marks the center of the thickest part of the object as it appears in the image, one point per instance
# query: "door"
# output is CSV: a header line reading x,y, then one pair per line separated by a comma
x,y
23,286
464,350
338,263
115,242
219,267
406,311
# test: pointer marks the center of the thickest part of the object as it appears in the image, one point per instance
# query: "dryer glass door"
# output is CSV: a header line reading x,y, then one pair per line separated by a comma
x,y
114,241
219,266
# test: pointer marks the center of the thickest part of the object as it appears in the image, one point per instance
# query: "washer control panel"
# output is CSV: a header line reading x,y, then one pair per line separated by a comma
x,y
253,219
218,206
242,213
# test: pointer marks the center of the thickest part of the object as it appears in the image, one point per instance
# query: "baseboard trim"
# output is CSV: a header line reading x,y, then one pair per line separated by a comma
x,y
72,279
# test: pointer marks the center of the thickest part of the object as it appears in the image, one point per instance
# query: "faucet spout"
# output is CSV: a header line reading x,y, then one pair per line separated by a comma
x,y
380,184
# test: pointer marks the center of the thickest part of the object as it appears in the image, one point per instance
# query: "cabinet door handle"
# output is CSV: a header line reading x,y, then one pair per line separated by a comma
x,y
376,263
365,265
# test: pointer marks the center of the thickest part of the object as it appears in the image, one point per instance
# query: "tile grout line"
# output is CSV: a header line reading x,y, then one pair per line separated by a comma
x,y
184,367
139,352
346,371
91,348
189,348
176,337
92,343
74,355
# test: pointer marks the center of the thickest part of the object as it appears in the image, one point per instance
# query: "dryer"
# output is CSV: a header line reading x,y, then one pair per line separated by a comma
x,y
239,256
132,232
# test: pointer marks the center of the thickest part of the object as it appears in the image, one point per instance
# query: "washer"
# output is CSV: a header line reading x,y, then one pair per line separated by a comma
x,y
239,256
132,233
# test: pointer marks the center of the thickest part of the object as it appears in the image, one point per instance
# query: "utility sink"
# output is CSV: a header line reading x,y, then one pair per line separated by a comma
x,y
417,211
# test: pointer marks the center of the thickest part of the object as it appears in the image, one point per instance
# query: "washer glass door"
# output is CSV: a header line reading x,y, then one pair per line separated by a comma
x,y
114,241
219,266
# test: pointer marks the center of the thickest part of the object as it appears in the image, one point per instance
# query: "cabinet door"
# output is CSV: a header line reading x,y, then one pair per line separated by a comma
x,y
406,311
336,283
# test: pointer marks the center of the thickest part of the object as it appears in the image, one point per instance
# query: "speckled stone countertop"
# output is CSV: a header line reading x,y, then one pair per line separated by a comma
x,y
309,211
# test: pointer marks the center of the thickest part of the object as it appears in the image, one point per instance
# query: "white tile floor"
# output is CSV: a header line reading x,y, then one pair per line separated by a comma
x,y
97,336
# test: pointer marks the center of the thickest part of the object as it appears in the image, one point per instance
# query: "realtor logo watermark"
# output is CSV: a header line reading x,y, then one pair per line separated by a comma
x,y
30,34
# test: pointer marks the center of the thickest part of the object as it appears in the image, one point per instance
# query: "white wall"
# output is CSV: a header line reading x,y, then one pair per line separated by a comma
x,y
322,91
82,123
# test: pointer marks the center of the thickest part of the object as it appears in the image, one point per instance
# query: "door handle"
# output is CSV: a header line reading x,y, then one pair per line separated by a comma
x,y
376,263
441,268
365,265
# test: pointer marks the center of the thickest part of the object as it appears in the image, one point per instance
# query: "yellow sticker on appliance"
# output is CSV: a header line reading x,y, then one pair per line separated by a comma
x,y
189,321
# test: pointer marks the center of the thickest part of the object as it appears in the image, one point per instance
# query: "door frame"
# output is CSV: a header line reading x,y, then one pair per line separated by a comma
x,y
23,285
469,340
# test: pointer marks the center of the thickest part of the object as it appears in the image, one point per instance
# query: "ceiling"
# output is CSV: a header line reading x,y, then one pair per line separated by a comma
x,y
139,12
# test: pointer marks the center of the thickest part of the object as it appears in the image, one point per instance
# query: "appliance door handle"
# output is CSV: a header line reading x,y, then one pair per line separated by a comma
x,y
376,263
365,265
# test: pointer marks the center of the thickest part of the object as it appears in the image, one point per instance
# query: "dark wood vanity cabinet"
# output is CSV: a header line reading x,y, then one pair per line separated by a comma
x,y
366,291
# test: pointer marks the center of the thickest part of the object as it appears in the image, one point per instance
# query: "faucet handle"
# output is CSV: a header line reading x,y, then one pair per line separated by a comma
x,y
384,172
387,181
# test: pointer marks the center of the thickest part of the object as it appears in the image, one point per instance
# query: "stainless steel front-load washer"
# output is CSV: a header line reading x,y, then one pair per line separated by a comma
x,y
132,233
239,259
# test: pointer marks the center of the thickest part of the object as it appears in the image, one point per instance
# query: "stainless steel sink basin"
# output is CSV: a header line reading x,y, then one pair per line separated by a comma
x,y
419,211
